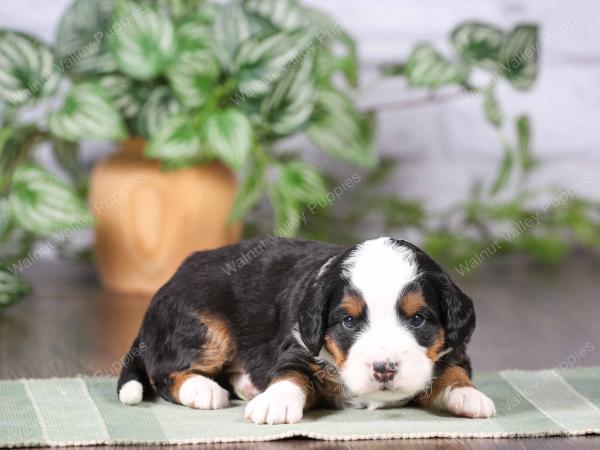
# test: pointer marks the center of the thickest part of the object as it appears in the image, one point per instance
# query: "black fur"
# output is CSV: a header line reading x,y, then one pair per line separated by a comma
x,y
264,299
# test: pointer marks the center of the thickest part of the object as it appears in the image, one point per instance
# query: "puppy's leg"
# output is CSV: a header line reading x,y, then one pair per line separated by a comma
x,y
454,392
284,401
190,359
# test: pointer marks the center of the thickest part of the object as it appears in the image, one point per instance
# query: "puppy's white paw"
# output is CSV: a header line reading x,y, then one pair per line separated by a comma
x,y
243,386
131,393
468,402
202,393
282,402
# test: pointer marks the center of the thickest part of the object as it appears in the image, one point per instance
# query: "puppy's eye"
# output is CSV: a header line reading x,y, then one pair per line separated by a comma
x,y
416,321
349,322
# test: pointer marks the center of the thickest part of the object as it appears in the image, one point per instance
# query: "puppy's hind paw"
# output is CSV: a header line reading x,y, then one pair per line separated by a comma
x,y
468,402
202,393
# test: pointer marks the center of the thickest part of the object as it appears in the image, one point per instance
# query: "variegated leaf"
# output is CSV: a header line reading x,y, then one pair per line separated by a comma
x,y
229,136
12,288
145,44
87,113
282,14
193,76
160,106
479,43
82,37
27,69
176,142
519,56
248,193
291,102
13,150
262,60
302,182
340,130
428,69
287,212
126,94
491,108
42,204
231,27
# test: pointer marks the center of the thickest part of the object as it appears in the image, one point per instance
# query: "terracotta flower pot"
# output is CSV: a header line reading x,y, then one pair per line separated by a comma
x,y
148,220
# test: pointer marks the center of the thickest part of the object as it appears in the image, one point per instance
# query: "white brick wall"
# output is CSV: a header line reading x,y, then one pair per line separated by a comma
x,y
444,147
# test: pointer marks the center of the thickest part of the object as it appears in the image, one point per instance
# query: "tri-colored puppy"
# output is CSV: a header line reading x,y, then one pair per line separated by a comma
x,y
291,325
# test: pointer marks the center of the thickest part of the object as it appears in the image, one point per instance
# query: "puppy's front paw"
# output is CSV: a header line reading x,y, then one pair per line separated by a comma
x,y
202,393
282,402
468,402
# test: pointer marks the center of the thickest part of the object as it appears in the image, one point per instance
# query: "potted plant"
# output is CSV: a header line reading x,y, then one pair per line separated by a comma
x,y
194,92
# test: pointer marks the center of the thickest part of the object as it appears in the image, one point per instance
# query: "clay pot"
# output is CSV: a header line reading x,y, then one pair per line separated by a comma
x,y
149,220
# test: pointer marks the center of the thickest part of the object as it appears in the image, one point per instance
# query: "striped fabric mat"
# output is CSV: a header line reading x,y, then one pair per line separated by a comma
x,y
86,411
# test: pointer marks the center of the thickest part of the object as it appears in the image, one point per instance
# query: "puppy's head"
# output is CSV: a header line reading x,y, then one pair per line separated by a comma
x,y
383,313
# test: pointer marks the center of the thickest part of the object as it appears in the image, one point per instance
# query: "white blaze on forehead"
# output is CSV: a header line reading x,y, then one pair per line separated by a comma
x,y
380,270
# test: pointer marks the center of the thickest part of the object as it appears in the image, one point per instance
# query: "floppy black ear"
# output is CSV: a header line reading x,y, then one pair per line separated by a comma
x,y
458,314
313,309
312,317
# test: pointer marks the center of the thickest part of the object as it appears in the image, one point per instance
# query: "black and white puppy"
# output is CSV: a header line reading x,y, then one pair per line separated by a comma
x,y
290,325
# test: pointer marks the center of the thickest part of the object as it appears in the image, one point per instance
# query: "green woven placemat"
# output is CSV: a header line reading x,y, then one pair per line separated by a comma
x,y
86,411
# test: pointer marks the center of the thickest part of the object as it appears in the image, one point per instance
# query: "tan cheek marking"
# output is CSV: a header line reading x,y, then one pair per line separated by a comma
x,y
451,377
412,303
353,305
434,350
339,356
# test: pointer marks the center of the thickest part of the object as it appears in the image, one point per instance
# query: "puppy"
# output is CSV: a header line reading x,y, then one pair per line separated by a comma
x,y
290,325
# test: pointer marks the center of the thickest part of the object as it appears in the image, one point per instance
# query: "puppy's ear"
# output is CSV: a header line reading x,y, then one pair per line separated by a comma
x,y
458,314
313,310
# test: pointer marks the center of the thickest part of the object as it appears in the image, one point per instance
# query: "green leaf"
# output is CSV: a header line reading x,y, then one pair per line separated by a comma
x,y
27,69
340,130
519,56
301,182
127,95
479,44
229,136
145,44
66,153
248,193
82,38
493,114
428,69
160,106
176,142
526,159
42,204
504,171
87,113
5,219
392,69
12,288
291,102
13,150
262,60
193,76
231,27
282,14
287,212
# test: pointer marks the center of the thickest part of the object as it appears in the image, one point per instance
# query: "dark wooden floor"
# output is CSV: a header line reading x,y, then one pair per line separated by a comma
x,y
527,317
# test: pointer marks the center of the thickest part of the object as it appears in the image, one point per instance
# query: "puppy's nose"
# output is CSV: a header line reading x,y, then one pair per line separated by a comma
x,y
384,370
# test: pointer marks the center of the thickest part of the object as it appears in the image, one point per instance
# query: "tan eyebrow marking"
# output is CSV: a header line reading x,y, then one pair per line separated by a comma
x,y
353,304
412,303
